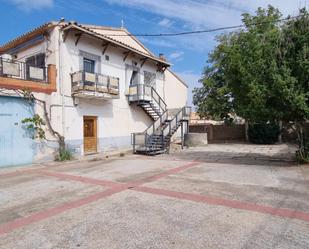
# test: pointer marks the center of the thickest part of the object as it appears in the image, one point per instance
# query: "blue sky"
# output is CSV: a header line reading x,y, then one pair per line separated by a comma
x,y
188,54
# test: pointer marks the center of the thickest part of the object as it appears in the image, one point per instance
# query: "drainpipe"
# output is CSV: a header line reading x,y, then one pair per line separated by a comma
x,y
60,83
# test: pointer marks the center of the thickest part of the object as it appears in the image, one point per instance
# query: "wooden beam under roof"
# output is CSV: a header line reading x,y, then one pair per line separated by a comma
x,y
143,61
113,42
65,35
126,54
105,46
78,36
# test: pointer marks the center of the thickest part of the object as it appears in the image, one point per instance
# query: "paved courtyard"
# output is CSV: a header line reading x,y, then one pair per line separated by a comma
x,y
220,196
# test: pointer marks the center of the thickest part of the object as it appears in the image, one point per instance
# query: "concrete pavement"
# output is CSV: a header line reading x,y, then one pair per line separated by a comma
x,y
214,197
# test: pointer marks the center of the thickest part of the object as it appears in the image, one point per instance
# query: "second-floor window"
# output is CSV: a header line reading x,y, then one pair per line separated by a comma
x,y
89,65
149,79
134,78
35,67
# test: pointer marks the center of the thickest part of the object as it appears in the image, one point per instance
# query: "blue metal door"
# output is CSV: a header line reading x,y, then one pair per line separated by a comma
x,y
16,144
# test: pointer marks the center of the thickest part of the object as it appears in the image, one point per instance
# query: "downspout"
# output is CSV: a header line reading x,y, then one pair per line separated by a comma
x,y
60,82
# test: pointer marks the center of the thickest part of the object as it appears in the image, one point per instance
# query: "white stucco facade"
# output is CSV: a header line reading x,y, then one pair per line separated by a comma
x,y
117,118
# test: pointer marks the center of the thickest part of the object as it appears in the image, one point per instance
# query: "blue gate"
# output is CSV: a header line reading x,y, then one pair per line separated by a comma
x,y
16,144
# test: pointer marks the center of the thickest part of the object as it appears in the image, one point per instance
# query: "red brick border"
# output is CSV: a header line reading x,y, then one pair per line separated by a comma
x,y
79,178
282,212
18,223
136,186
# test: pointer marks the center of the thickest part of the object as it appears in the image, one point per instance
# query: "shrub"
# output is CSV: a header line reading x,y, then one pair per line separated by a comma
x,y
64,155
264,133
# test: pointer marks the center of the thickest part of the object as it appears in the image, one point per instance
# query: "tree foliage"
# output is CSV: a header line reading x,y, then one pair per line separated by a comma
x,y
35,124
261,72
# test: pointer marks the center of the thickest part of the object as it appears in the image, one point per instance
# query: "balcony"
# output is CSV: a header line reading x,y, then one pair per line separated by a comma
x,y
94,85
142,92
19,75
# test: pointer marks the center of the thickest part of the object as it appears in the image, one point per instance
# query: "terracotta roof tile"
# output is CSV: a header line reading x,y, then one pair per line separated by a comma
x,y
26,36
117,42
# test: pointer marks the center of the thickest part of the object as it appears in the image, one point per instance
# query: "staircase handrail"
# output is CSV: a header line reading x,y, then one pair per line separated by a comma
x,y
152,128
178,117
149,131
160,101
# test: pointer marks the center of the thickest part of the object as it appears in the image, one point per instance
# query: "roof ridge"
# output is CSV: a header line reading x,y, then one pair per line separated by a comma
x,y
102,27
119,29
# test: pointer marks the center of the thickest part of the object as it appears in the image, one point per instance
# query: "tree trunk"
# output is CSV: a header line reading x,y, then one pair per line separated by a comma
x,y
302,152
247,130
280,134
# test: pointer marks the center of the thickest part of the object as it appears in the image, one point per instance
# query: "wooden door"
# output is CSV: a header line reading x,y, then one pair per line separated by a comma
x,y
90,134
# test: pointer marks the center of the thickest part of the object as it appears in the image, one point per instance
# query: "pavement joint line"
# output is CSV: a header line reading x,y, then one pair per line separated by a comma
x,y
169,172
77,178
102,182
36,217
136,186
281,212
43,167
115,188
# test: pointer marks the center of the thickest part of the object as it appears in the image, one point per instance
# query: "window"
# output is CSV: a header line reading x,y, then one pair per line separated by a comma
x,y
32,64
149,79
89,65
134,78
37,60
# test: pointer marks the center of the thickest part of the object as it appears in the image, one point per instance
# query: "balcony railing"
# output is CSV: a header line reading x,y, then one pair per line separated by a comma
x,y
142,92
22,71
93,84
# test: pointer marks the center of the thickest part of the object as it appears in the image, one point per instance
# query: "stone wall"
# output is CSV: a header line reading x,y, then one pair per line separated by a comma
x,y
220,133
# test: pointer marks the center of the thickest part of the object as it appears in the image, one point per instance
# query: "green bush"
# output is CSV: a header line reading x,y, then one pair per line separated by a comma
x,y
264,133
64,155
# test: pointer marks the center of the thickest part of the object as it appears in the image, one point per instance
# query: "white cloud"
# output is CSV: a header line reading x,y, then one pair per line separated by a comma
x,y
195,12
176,55
202,14
165,22
212,13
285,6
28,5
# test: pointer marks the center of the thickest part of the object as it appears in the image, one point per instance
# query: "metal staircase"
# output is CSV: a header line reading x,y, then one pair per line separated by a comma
x,y
157,137
151,108
148,99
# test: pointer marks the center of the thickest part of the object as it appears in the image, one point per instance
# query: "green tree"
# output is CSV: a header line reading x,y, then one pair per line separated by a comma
x,y
259,73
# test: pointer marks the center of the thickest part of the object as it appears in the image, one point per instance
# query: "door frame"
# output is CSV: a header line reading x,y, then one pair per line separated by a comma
x,y
95,120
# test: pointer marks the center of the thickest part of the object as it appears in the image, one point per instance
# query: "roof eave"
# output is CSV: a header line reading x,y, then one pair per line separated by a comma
x,y
100,36
27,36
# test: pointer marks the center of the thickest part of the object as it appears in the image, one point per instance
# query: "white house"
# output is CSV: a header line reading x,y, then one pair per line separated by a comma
x,y
102,88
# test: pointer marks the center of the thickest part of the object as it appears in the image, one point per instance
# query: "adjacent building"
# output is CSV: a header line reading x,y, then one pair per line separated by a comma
x,y
103,89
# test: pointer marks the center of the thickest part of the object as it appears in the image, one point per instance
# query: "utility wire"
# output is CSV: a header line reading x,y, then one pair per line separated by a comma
x,y
207,30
